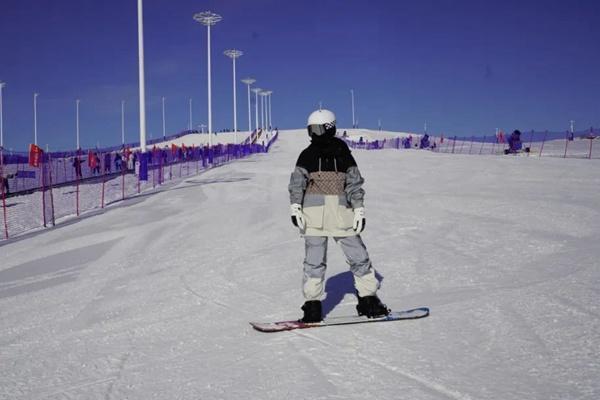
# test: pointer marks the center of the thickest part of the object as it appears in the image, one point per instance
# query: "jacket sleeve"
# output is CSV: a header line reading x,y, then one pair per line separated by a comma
x,y
297,186
355,194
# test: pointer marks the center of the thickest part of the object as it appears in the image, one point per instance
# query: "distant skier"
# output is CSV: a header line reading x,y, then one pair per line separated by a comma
x,y
77,166
4,186
118,161
424,144
326,199
514,142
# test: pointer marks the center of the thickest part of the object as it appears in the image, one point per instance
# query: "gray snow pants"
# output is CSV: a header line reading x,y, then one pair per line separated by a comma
x,y
315,265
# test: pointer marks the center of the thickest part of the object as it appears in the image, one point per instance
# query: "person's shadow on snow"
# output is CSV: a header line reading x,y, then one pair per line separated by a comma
x,y
338,286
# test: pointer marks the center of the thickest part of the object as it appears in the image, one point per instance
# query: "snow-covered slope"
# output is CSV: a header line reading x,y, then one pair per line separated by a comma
x,y
152,299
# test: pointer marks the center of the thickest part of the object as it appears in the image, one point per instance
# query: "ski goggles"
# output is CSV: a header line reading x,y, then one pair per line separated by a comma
x,y
319,130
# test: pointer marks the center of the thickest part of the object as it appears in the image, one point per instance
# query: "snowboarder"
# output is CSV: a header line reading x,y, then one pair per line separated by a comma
x,y
326,199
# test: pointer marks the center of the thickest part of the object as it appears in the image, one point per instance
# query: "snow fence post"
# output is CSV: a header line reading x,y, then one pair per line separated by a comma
x,y
65,167
51,195
543,141
2,192
566,144
453,144
482,143
77,170
123,168
43,179
530,143
103,184
591,136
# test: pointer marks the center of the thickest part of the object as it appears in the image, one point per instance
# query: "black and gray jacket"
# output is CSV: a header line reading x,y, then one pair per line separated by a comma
x,y
328,184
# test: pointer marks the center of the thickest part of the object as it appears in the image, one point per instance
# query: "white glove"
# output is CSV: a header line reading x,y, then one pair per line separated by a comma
x,y
359,220
297,216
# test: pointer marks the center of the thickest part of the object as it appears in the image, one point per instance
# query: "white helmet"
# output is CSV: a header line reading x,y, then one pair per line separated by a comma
x,y
321,122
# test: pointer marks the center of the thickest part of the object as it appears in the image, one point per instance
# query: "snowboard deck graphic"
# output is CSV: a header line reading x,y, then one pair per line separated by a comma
x,y
281,326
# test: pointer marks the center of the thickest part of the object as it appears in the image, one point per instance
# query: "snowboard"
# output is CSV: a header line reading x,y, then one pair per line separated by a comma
x,y
345,320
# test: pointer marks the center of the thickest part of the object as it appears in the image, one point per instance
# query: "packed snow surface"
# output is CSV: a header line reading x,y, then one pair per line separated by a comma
x,y
152,298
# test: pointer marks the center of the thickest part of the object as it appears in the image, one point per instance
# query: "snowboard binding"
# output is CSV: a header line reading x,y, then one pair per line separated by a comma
x,y
312,312
371,307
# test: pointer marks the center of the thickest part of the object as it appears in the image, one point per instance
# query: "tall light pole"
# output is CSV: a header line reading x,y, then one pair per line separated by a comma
x,y
248,82
352,95
262,94
233,54
209,19
122,121
35,96
270,113
268,110
2,84
163,118
141,77
190,118
256,92
77,121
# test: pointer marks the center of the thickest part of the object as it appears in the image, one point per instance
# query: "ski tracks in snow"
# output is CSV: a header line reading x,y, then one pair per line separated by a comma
x,y
428,385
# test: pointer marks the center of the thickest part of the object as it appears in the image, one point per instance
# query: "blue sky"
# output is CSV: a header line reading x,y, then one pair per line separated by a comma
x,y
465,67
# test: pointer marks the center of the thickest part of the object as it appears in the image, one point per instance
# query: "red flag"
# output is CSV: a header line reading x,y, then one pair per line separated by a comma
x,y
173,149
35,155
183,147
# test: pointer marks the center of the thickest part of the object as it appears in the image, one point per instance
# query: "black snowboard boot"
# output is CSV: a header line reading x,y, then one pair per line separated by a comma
x,y
312,311
371,307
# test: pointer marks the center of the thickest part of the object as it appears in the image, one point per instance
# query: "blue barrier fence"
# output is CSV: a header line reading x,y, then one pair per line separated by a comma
x,y
70,183
547,144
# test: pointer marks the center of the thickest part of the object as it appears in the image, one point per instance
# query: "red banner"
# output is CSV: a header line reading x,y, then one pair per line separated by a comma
x,y
35,155
173,149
